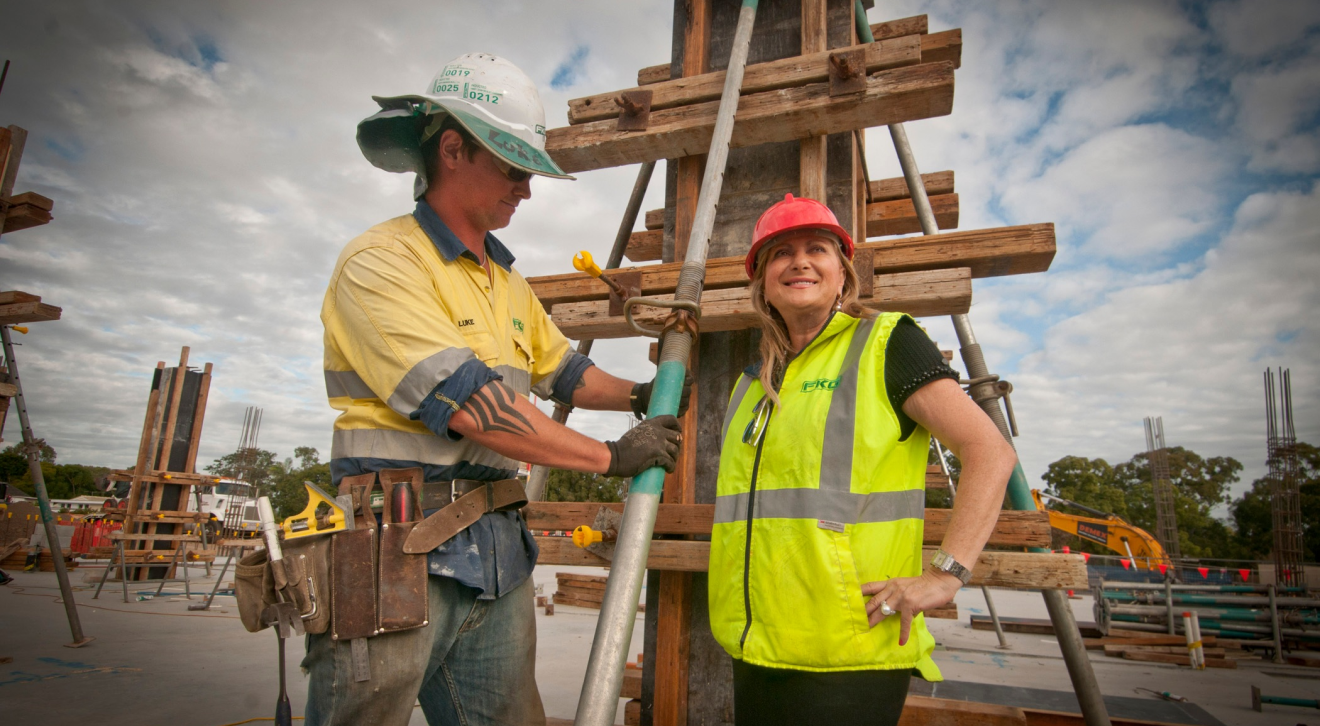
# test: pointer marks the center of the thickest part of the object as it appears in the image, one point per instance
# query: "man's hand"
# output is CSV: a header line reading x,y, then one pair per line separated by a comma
x,y
653,442
640,400
907,596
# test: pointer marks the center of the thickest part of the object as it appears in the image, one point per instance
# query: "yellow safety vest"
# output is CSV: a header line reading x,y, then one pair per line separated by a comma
x,y
835,500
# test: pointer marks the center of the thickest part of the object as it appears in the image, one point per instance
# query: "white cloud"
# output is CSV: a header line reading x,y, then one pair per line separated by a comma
x,y
1133,190
1277,111
1190,349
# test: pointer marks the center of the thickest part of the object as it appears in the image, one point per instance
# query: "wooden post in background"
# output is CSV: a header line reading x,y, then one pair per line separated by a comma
x,y
812,153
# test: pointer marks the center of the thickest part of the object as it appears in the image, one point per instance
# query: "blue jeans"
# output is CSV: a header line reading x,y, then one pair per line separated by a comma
x,y
473,664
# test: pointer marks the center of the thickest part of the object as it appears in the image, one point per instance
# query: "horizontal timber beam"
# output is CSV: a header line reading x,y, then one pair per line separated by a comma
x,y
645,246
891,212
921,294
788,72
28,312
893,96
1015,570
888,190
987,252
915,25
1013,529
885,219
935,47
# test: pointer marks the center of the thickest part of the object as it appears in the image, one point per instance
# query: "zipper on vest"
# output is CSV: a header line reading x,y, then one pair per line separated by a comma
x,y
747,551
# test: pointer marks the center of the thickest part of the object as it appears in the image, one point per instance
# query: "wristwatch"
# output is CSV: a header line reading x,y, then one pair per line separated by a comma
x,y
944,562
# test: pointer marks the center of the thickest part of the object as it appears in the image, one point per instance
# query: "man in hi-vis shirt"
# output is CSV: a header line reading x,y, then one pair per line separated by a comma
x,y
433,343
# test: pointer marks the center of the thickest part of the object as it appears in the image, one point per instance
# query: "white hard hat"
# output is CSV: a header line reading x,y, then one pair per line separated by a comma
x,y
489,96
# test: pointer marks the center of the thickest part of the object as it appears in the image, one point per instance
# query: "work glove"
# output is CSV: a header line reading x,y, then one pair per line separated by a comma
x,y
653,442
640,400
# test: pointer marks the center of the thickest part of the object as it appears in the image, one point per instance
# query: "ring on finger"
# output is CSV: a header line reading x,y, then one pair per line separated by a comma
x,y
885,610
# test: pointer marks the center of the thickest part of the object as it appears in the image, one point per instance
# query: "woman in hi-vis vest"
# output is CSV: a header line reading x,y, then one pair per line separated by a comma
x,y
816,578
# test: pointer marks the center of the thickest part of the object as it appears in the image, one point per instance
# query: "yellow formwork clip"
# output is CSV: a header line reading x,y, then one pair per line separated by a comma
x,y
585,535
582,262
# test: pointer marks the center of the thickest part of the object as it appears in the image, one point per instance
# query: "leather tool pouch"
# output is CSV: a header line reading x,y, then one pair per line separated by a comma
x,y
307,566
403,577
254,588
306,583
353,565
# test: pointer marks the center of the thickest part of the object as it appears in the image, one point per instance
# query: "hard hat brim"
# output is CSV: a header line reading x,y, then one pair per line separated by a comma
x,y
390,139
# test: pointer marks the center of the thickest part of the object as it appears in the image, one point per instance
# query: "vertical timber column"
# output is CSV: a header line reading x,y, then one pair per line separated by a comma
x,y
669,687
755,178
812,150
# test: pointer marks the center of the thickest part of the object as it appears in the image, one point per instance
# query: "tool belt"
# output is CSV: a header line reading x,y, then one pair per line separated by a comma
x,y
372,578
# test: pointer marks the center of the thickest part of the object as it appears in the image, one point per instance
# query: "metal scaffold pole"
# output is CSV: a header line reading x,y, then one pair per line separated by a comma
x,y
43,499
618,613
536,479
986,396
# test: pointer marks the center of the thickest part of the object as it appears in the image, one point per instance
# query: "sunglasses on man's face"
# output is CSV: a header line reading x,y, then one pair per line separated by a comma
x,y
511,172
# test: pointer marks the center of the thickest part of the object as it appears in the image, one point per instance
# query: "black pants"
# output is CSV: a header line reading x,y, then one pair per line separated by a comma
x,y
774,696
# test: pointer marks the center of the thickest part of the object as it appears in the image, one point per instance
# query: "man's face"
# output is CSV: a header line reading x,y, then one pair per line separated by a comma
x,y
487,196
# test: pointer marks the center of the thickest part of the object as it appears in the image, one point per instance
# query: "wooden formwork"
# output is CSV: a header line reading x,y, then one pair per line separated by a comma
x,y
797,130
157,520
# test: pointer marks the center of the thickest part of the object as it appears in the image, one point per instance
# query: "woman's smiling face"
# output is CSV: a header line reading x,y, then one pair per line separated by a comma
x,y
803,273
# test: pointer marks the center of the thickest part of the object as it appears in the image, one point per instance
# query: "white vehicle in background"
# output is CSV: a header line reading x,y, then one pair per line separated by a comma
x,y
220,498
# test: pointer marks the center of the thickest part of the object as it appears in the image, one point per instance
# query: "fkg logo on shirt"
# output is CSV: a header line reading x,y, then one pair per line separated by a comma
x,y
517,325
820,384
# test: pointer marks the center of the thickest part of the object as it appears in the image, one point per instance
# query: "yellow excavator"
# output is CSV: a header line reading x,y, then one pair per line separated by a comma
x,y
1107,529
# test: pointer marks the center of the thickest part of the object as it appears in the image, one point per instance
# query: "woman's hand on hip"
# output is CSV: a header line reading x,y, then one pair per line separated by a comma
x,y
907,596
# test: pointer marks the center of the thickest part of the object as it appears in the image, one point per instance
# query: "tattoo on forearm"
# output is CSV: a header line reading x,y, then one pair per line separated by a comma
x,y
492,407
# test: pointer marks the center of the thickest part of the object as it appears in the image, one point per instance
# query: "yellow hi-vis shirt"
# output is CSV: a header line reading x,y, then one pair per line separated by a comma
x,y
813,501
413,327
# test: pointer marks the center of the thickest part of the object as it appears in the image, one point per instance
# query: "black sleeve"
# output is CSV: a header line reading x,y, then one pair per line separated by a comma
x,y
911,361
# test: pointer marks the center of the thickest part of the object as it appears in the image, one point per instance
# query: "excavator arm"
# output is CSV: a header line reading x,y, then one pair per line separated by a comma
x,y
1109,530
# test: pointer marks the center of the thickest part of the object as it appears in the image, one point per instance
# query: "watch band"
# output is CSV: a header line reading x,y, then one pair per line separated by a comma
x,y
944,562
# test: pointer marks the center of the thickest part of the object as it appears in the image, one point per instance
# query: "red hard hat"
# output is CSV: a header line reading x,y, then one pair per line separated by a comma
x,y
791,214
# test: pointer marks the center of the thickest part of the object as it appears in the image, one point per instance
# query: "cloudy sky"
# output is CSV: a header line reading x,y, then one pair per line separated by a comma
x,y
202,161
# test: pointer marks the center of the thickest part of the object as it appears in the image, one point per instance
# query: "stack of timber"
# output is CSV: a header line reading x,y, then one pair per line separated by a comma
x,y
18,308
18,521
584,591
1154,648
18,211
45,562
157,523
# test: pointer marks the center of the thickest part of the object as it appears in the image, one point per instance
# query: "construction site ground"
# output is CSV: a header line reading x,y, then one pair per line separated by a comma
x,y
203,669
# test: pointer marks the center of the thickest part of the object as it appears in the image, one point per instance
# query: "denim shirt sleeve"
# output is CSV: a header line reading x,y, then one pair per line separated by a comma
x,y
570,372
450,394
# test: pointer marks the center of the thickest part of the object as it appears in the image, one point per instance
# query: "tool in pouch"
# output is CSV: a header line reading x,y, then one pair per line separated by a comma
x,y
310,521
283,614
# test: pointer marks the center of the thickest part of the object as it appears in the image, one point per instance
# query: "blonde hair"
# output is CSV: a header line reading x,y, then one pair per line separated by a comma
x,y
776,346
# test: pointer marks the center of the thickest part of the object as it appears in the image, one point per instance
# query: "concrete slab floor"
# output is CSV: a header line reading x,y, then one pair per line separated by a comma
x,y
204,669
199,668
